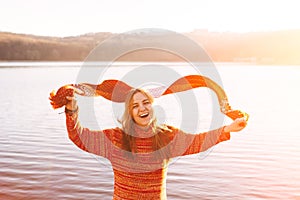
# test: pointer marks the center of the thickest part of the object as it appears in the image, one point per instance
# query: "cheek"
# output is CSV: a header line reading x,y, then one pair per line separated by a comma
x,y
134,112
149,107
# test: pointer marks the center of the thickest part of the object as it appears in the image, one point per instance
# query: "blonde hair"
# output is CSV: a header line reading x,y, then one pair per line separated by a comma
x,y
160,137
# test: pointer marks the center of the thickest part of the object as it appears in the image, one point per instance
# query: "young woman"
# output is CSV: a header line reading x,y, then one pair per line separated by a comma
x,y
140,151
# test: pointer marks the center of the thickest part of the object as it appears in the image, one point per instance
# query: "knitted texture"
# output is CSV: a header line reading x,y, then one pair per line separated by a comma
x,y
139,175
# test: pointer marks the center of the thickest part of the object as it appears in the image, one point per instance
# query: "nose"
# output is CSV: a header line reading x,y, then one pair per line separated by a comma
x,y
142,107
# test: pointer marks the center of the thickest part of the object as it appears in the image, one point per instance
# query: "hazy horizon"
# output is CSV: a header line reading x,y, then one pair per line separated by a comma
x,y
192,31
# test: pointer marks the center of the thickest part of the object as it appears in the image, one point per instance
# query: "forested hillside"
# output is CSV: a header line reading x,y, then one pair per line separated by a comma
x,y
281,47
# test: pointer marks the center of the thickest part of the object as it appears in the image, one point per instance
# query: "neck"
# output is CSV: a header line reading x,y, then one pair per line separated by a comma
x,y
143,131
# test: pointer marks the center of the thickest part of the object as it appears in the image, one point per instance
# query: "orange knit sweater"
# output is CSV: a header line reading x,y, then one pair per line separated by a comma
x,y
143,175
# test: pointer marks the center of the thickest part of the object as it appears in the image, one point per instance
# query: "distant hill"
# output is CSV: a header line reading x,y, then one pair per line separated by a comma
x,y
278,47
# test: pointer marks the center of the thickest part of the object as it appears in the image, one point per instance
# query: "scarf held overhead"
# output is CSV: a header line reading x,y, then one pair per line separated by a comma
x,y
116,91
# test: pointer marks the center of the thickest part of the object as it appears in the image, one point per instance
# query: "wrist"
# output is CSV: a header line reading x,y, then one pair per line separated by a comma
x,y
70,111
226,129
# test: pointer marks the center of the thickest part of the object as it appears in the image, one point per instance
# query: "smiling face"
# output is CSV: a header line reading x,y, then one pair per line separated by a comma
x,y
141,109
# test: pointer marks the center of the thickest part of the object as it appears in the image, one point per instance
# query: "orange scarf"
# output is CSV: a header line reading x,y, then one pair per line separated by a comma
x,y
116,91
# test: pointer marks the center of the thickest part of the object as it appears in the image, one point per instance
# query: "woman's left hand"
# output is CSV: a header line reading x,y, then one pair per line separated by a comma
x,y
237,125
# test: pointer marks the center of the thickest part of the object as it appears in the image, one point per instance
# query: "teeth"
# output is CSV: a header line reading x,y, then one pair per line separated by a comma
x,y
144,115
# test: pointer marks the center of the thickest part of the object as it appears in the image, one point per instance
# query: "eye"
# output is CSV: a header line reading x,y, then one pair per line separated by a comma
x,y
146,102
134,106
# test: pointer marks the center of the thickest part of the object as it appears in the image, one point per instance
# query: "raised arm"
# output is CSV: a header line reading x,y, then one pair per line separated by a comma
x,y
186,144
96,142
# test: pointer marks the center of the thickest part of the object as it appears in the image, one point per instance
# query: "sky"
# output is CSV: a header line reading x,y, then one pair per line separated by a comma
x,y
63,18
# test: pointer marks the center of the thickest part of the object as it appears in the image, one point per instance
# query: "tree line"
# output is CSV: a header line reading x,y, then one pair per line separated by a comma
x,y
277,47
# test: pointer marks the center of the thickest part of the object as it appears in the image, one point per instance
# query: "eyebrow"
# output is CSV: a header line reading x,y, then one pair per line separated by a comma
x,y
146,99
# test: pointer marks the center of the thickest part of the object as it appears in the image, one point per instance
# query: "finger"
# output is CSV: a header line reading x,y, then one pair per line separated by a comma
x,y
78,91
242,119
70,98
241,122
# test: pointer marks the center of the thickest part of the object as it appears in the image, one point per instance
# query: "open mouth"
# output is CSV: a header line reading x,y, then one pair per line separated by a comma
x,y
144,115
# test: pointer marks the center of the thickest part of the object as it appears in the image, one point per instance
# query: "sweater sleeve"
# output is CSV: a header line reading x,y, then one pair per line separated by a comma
x,y
96,142
186,144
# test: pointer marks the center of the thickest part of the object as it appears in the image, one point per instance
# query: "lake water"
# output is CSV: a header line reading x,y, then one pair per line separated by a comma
x,y
37,160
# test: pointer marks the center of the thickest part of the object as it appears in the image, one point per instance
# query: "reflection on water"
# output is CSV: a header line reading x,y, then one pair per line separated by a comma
x,y
37,160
